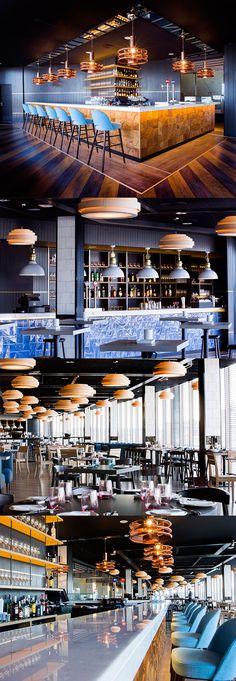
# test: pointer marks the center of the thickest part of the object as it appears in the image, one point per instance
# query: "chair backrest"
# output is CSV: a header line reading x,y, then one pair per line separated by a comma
x,y
224,643
32,109
26,108
40,110
62,115
5,500
198,615
23,449
208,493
77,117
194,611
207,628
101,120
115,452
51,113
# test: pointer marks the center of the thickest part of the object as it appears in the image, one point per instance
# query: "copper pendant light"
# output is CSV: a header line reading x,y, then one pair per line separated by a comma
x,y
66,72
183,65
132,55
39,410
102,403
29,399
176,241
50,77
38,79
226,226
12,395
105,565
166,394
169,369
77,390
17,364
206,71
115,381
121,394
91,66
65,405
150,530
25,382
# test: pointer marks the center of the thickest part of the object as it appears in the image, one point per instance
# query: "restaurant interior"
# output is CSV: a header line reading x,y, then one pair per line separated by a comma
x,y
122,102
107,597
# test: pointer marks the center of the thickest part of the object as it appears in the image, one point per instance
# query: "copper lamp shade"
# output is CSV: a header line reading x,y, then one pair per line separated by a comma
x,y
169,369
18,364
50,77
206,71
66,72
226,226
25,382
132,55
115,381
183,65
150,530
21,237
38,79
91,66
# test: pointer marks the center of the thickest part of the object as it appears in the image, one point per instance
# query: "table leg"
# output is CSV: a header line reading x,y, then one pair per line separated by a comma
x,y
183,339
205,343
118,485
133,480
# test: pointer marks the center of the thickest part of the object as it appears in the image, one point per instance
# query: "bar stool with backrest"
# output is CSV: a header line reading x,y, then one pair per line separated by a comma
x,y
193,621
65,126
216,477
215,663
52,123
34,118
201,638
79,128
41,117
51,344
103,126
26,115
216,337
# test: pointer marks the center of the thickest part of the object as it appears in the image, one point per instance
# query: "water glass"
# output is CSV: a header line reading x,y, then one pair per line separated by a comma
x,y
165,494
109,488
68,490
53,497
61,493
94,500
85,501
102,487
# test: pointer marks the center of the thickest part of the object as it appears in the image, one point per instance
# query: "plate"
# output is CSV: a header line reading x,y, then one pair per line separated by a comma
x,y
38,500
27,508
198,503
166,511
78,491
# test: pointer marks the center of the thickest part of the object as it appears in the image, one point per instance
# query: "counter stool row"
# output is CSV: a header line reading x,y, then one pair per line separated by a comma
x,y
73,125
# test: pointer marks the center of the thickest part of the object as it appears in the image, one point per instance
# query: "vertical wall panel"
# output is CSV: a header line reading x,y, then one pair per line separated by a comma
x,y
66,266
230,90
212,397
87,423
149,406
113,419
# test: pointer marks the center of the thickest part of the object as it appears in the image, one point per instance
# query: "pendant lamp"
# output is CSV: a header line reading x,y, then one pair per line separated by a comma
x,y
115,381
183,65
169,369
147,272
105,565
91,66
206,71
176,241
50,77
12,395
17,364
195,384
150,530
38,79
132,55
25,382
136,403
226,226
29,399
32,269
98,412
21,237
166,395
109,209
39,410
207,274
179,272
79,400
121,394
66,72
201,575
65,405
102,403
113,271
77,390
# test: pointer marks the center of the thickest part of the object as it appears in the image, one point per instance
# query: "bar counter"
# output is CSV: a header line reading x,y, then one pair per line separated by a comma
x,y
149,130
13,343
109,645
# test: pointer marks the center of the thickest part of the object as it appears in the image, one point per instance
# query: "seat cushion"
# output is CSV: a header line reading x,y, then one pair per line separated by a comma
x,y
195,664
179,626
89,121
184,639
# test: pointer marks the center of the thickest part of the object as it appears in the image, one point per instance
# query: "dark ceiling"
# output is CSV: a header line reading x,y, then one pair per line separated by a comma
x,y
197,545
30,31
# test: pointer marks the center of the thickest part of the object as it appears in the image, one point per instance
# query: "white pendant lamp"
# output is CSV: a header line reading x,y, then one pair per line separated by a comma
x,y
109,209
21,237
176,242
147,272
178,272
207,274
113,270
226,226
169,369
115,381
32,268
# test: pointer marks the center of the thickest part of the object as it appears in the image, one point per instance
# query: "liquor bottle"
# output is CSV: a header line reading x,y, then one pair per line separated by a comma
x,y
27,607
120,292
33,607
43,604
8,608
132,277
138,293
170,291
15,609
53,531
20,611
92,276
38,608
46,582
51,581
103,292
131,293
98,292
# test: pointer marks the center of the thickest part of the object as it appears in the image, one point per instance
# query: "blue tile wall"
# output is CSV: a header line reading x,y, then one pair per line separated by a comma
x,y
13,344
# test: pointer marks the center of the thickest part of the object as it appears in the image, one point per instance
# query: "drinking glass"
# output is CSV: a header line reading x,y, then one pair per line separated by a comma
x,y
102,487
165,494
68,491
109,488
61,493
94,500
143,489
53,497
85,501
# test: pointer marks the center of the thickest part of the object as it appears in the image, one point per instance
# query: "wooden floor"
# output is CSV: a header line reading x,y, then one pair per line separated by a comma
x,y
203,168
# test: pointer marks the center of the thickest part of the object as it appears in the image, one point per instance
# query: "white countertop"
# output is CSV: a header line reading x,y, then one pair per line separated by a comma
x,y
14,316
135,109
80,649
99,314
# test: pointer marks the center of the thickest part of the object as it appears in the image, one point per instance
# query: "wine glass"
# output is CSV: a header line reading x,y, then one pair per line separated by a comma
x,y
53,497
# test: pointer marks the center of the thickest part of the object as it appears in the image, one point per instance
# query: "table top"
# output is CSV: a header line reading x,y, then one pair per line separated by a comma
x,y
104,468
206,325
173,345
54,330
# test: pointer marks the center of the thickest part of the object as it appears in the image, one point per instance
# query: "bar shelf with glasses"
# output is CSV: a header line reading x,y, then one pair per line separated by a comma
x,y
115,80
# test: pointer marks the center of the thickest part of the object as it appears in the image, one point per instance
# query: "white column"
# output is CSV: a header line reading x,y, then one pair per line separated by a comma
x,y
66,253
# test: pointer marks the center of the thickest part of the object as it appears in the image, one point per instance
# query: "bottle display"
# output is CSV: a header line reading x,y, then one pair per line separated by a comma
x,y
24,607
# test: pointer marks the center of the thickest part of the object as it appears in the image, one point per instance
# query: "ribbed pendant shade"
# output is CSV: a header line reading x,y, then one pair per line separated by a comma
x,y
226,226
115,380
77,390
169,369
21,237
17,364
166,395
39,410
25,382
109,209
176,242
29,399
123,394
102,403
65,405
12,395
79,400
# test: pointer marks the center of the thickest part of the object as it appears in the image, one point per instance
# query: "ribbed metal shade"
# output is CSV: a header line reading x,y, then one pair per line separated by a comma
x,y
25,382
115,381
176,241
17,364
169,369
32,268
109,209
227,226
21,237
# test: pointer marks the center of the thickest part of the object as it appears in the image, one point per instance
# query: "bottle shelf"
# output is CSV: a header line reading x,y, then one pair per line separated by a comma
x,y
25,558
28,530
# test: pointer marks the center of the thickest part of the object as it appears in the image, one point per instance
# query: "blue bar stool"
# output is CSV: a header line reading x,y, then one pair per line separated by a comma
x,y
34,118
193,622
104,126
201,638
64,122
79,125
185,621
179,616
26,116
52,120
215,663
41,117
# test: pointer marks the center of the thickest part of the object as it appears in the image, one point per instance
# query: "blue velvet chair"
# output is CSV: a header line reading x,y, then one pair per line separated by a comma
x,y
203,635
105,127
183,615
2,477
185,621
64,123
26,115
79,127
216,663
7,468
193,623
52,124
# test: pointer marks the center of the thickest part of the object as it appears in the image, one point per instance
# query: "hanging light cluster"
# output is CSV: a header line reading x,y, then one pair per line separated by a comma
x,y
91,66
206,71
183,65
132,55
66,72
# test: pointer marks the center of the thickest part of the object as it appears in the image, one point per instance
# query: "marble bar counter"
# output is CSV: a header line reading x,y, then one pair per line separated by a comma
x,y
149,130
109,645
13,343
111,325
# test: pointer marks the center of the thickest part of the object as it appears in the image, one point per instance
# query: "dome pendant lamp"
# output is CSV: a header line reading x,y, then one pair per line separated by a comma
x,y
206,71
226,226
66,72
109,209
207,274
132,55
147,272
179,272
32,269
21,237
183,65
91,66
113,270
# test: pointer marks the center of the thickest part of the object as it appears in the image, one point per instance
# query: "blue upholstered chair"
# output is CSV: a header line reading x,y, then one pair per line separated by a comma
x,y
26,115
203,635
183,614
52,124
64,124
33,117
5,500
41,117
216,663
193,622
79,128
7,468
103,126
2,477
184,621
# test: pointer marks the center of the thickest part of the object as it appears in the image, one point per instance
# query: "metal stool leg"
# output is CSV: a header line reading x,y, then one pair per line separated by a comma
x,y
92,147
103,152
121,144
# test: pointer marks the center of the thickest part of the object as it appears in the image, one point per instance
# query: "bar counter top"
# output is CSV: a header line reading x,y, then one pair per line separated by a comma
x,y
163,311
99,647
19,316
148,130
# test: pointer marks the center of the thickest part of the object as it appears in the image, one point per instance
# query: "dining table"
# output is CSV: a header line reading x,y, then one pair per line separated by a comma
x,y
57,332
144,347
103,471
206,327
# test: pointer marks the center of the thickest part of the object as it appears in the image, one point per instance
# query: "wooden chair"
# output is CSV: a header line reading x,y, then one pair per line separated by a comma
x,y
216,477
22,457
40,460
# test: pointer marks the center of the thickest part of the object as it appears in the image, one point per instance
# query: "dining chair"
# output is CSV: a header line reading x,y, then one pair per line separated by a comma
x,y
215,494
7,467
40,460
5,500
215,473
22,457
201,638
215,663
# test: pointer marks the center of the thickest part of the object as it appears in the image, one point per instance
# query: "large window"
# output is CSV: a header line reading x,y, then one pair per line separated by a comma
x,y
228,406
130,422
178,419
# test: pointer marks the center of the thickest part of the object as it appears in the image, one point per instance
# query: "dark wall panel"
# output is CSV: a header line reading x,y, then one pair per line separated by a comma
x,y
230,90
153,80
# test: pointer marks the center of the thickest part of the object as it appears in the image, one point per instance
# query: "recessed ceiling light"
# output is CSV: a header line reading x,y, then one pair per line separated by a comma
x,y
45,205
123,522
187,223
34,209
181,212
171,54
176,218
4,200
